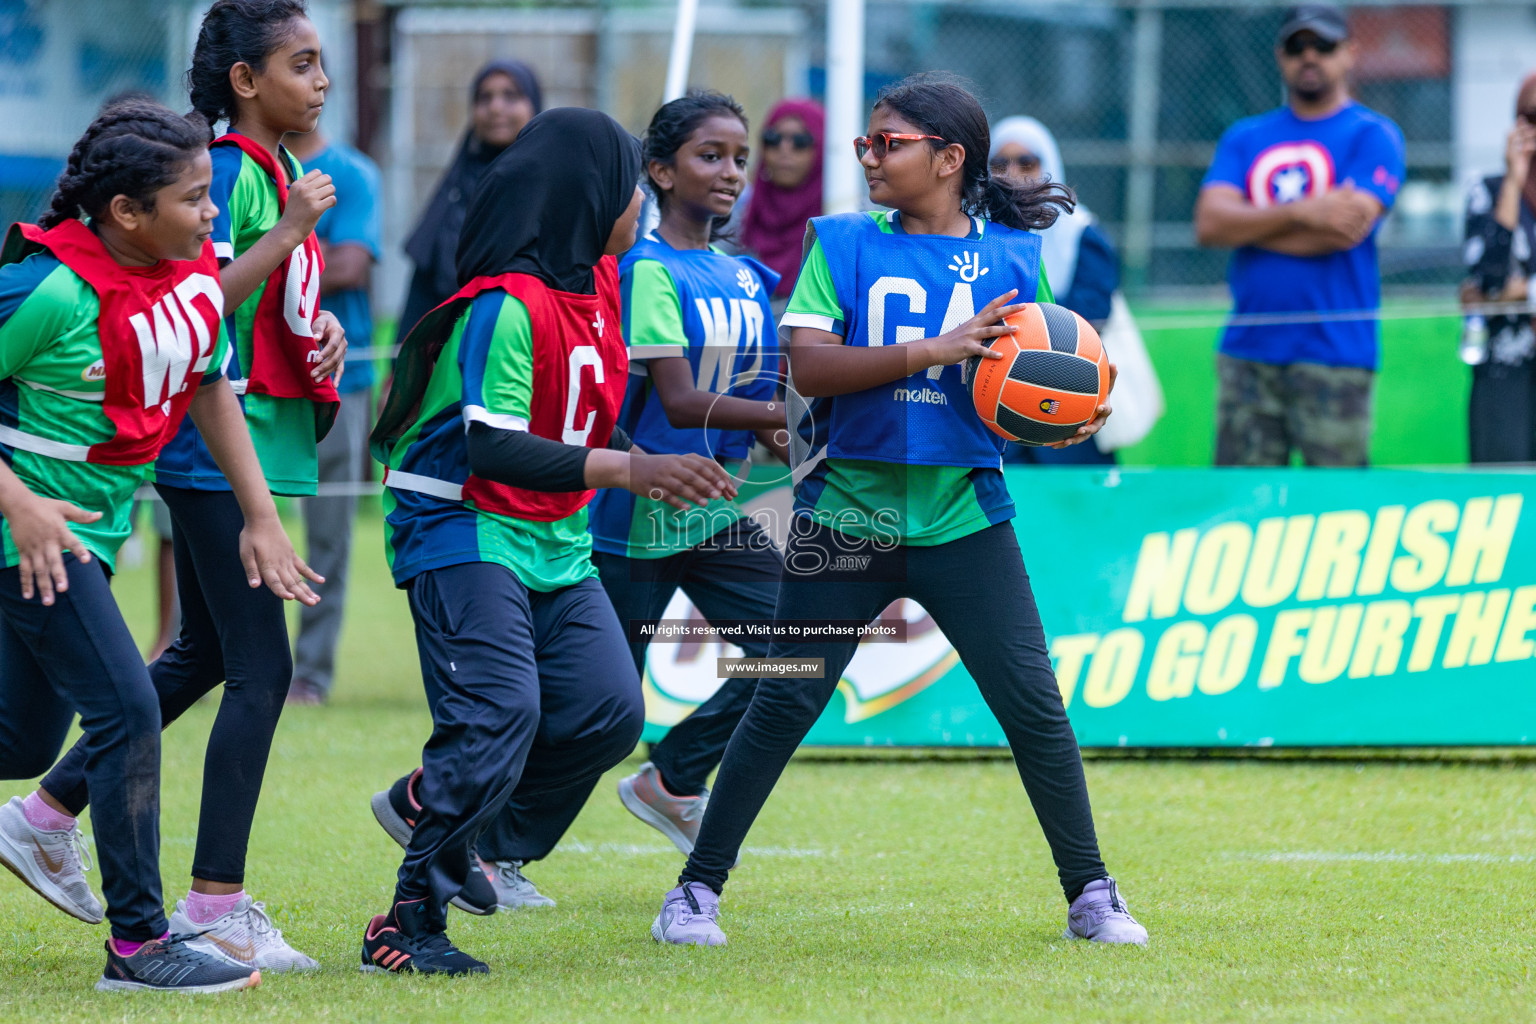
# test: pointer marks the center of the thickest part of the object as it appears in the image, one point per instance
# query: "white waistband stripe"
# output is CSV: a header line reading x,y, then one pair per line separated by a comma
x,y
44,446
448,491
83,396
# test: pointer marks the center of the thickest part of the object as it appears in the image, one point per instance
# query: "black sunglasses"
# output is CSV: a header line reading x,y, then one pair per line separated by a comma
x,y
800,140
1528,115
1026,162
1298,45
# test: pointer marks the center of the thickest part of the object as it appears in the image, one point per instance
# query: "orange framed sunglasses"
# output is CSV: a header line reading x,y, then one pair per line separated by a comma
x,y
880,142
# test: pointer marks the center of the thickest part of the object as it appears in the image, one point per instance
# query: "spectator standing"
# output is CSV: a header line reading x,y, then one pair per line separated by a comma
x,y
1500,243
503,97
1079,260
1299,192
349,241
787,191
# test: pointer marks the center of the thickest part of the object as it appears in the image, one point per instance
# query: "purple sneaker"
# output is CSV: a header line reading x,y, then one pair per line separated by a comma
x,y
687,917
1100,915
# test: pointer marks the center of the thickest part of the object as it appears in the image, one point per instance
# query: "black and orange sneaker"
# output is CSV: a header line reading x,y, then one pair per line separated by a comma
x,y
400,942
397,808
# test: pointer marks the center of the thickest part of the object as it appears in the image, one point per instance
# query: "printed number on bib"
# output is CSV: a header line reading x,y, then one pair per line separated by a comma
x,y
581,357
962,306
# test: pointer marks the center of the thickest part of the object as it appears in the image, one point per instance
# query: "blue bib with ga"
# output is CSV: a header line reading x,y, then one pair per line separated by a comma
x,y
895,288
732,347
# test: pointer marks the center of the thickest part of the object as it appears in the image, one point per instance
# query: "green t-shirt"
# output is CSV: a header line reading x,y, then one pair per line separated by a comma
x,y
654,330
922,505
485,371
282,429
52,386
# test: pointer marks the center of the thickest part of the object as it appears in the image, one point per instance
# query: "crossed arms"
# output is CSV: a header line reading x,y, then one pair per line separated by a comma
x,y
1314,226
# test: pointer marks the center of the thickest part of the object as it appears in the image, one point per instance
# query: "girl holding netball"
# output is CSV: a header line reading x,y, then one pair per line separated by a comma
x,y
257,65
896,465
109,333
501,422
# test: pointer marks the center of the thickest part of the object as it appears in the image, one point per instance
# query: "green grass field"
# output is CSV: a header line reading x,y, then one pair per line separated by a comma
x,y
898,888
871,890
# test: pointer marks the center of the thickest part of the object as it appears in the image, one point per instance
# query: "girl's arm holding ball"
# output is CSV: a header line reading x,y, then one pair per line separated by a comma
x,y
824,366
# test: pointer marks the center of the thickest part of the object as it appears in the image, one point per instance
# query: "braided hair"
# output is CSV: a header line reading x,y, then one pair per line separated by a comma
x,y
134,148
673,125
235,32
940,104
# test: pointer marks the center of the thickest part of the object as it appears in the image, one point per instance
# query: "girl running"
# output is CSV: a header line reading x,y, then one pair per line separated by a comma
x,y
703,379
884,309
257,65
500,423
109,333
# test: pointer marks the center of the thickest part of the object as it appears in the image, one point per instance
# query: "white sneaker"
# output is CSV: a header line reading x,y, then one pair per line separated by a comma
x,y
1100,915
513,889
244,937
52,863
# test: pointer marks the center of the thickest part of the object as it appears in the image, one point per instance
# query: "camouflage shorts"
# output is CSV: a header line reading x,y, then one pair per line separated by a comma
x,y
1265,412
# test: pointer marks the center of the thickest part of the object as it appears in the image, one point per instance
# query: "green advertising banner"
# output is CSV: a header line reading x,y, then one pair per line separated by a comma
x,y
1221,607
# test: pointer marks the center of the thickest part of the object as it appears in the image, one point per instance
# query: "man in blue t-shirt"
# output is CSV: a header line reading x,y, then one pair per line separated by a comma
x,y
349,237
1299,192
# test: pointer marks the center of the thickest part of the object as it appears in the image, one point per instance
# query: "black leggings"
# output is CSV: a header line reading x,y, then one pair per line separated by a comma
x,y
733,575
231,633
77,655
978,593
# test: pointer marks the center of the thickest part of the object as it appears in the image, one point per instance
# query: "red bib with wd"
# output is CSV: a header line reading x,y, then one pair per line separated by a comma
x,y
283,344
158,327
580,371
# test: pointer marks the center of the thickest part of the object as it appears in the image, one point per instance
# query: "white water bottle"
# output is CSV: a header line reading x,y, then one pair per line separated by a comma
x,y
1474,340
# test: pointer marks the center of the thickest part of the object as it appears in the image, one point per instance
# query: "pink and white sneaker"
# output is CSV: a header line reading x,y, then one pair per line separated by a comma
x,y
676,817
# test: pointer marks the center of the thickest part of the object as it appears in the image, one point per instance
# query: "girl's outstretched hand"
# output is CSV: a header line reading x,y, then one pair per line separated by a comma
x,y
971,338
1100,414
40,530
268,557
679,479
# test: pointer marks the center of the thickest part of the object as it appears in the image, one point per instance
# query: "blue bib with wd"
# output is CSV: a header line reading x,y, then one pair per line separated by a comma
x,y
896,288
731,345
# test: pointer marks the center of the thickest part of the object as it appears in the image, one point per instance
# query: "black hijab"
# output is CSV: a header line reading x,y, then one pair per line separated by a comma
x,y
547,205
435,239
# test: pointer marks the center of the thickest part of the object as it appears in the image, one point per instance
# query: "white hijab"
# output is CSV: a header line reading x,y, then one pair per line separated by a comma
x,y
1059,242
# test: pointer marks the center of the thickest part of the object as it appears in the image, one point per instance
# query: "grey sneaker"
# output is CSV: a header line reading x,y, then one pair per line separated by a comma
x,y
676,817
687,917
52,863
170,965
1100,915
244,937
513,889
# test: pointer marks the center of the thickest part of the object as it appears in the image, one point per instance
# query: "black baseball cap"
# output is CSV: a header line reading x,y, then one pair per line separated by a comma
x,y
1324,19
